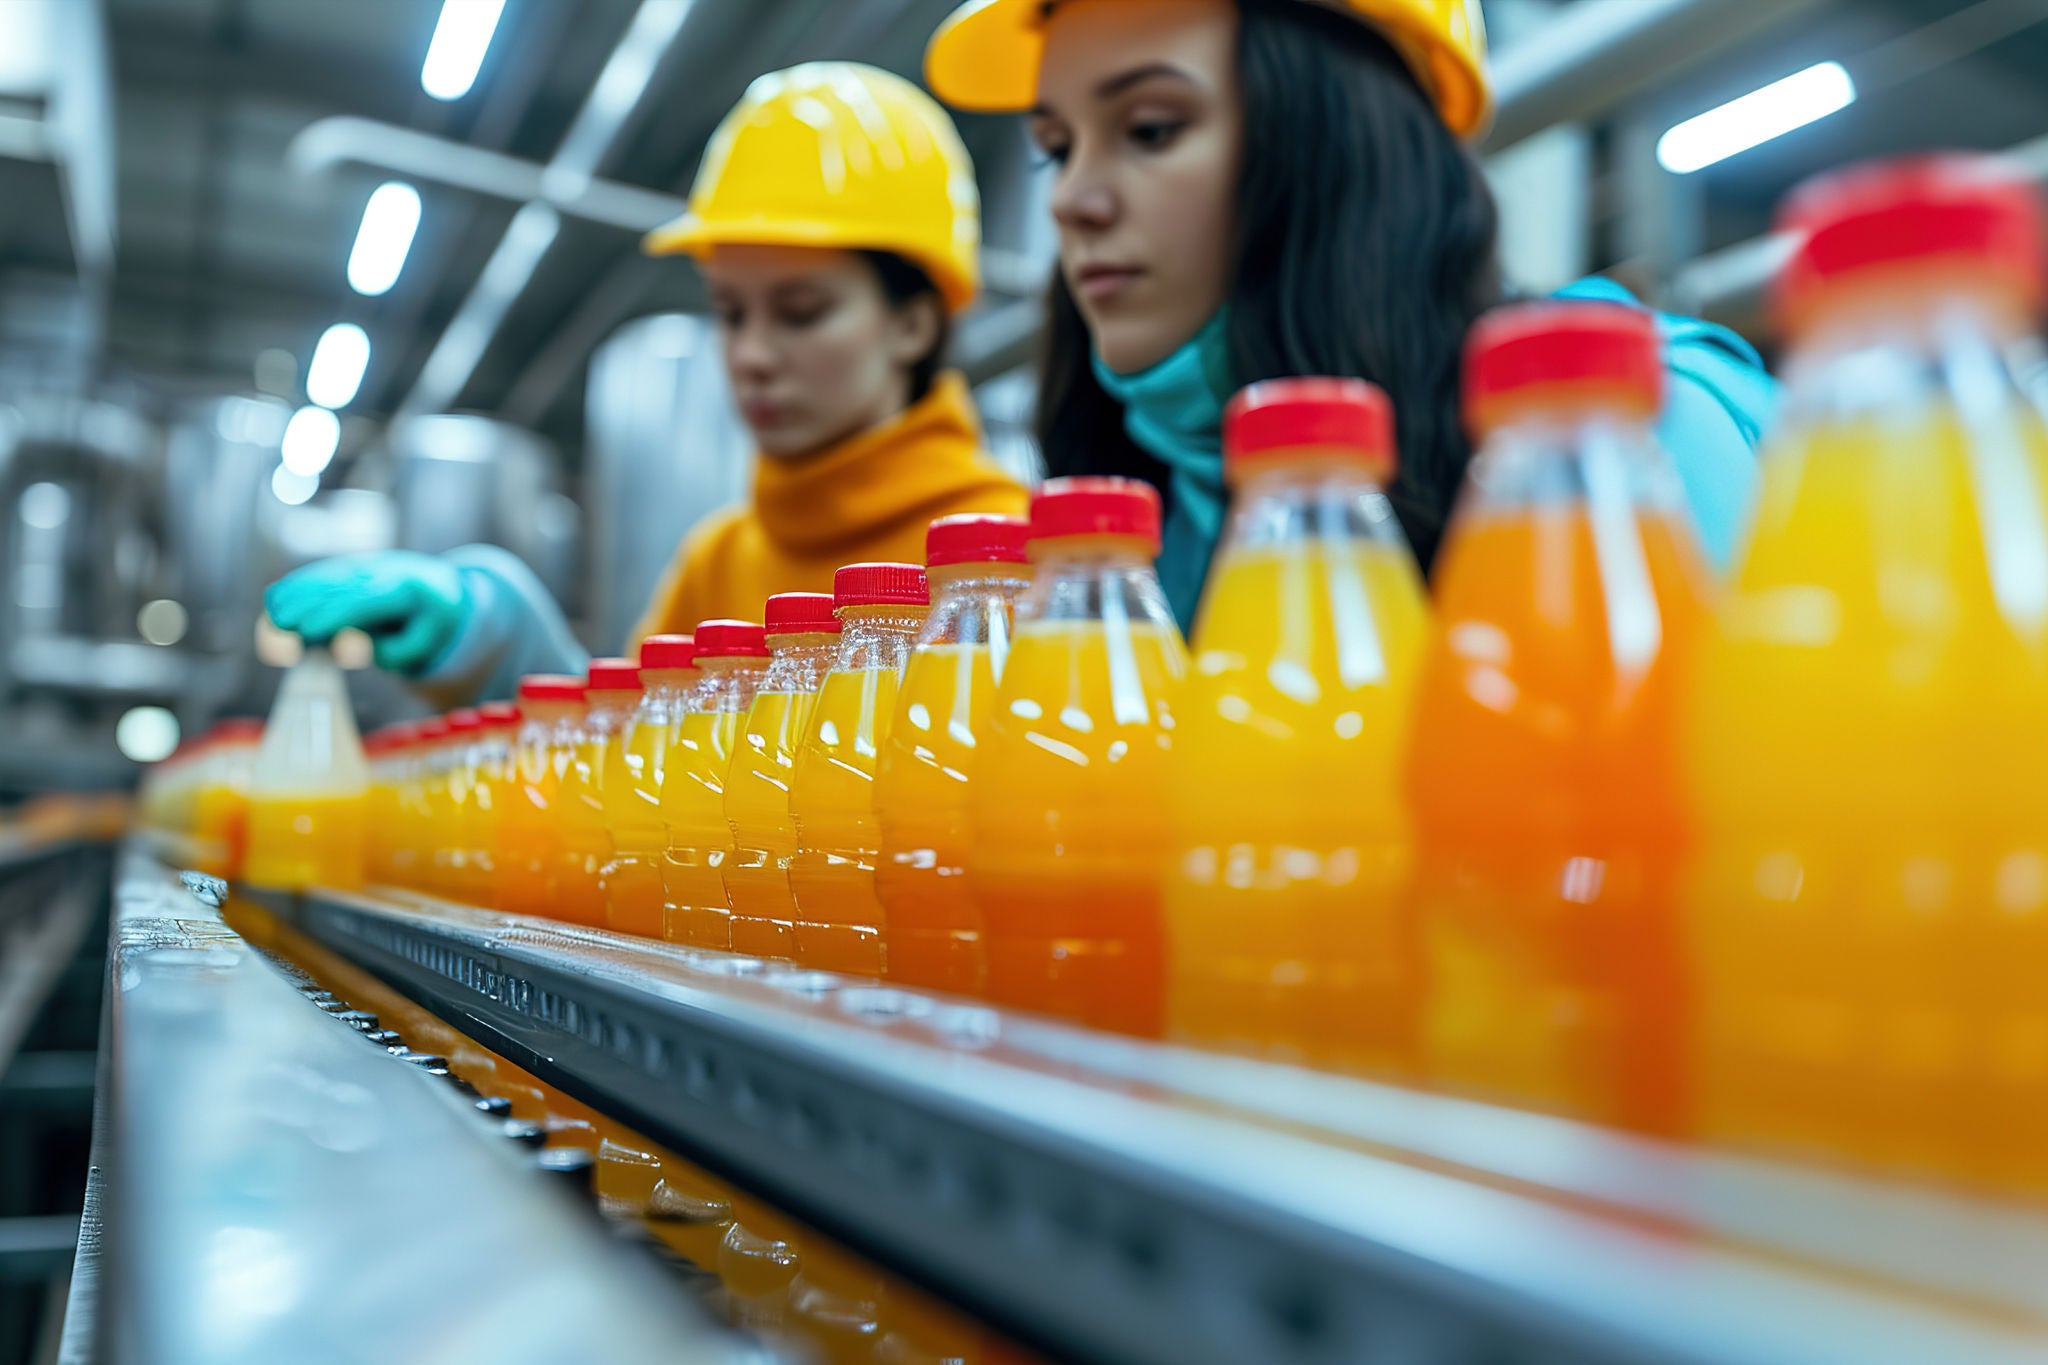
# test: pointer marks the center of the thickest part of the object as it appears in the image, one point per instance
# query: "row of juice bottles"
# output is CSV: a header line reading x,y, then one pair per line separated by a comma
x,y
1762,862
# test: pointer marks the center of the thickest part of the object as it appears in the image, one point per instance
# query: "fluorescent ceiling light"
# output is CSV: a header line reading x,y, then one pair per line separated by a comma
x,y
292,489
1756,118
310,440
338,364
456,54
389,221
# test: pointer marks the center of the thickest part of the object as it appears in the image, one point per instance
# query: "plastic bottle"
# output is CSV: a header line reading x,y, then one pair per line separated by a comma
x,y
839,919
490,763
307,786
1284,898
611,693
1067,809
977,567
220,799
454,859
803,639
1543,772
528,847
381,755
1870,902
732,658
633,889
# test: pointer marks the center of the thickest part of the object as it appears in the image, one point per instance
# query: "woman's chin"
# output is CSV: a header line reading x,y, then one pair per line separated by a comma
x,y
1129,346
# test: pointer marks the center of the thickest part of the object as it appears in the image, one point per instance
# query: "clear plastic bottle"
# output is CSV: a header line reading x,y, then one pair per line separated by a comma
x,y
633,879
528,849
1283,905
803,640
455,860
977,567
1543,774
382,751
839,919
732,660
220,798
1068,806
611,694
490,763
1870,900
308,785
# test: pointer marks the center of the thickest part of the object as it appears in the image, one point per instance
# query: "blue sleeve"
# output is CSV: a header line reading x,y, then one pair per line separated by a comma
x,y
1717,407
513,628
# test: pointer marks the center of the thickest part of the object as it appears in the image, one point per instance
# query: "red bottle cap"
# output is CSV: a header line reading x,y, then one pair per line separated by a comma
x,y
614,675
499,714
464,719
1096,505
234,730
1282,416
433,728
875,585
668,652
731,640
976,538
1976,213
550,687
800,613
1562,351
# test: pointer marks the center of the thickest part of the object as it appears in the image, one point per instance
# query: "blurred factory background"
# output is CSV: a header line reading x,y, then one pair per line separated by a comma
x,y
286,278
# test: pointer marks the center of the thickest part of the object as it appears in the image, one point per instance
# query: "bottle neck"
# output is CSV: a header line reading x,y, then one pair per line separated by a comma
x,y
799,660
728,684
1292,502
880,636
1095,578
972,604
1896,354
1566,454
608,709
669,683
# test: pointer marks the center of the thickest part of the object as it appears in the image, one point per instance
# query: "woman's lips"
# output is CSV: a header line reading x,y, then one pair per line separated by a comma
x,y
764,414
1097,283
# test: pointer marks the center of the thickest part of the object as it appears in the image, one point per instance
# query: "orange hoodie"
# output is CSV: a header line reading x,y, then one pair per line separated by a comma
x,y
870,498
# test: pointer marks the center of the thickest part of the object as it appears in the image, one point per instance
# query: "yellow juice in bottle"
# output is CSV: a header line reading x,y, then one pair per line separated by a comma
x,y
839,919
612,692
633,889
976,565
527,846
1283,902
1870,899
455,860
220,811
1067,808
803,636
695,836
308,786
491,767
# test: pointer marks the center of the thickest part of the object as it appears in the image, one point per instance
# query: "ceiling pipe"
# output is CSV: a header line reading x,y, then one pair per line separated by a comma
x,y
1597,54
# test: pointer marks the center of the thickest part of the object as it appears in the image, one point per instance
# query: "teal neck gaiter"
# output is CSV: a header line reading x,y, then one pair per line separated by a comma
x,y
1174,411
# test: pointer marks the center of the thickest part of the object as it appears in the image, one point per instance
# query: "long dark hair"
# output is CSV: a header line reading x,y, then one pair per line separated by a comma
x,y
903,283
1365,248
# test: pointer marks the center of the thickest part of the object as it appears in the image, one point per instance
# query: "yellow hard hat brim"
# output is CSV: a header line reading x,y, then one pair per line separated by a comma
x,y
984,59
693,235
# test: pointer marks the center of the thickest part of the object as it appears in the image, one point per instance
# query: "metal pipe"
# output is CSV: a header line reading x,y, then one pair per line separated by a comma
x,y
1598,53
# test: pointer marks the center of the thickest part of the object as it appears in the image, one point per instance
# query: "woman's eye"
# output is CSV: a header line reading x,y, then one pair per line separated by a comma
x,y
728,318
1156,133
804,314
1052,154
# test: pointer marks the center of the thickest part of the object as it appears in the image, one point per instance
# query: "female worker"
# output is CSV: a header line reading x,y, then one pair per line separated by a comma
x,y
836,222
1248,189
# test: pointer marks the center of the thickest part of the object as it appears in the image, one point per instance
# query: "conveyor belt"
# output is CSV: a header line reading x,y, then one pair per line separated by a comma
x,y
1128,1202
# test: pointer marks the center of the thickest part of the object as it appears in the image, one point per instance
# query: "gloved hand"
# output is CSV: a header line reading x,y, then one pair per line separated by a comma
x,y
412,605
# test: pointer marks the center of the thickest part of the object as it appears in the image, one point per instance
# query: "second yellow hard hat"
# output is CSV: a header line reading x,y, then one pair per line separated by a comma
x,y
985,57
837,154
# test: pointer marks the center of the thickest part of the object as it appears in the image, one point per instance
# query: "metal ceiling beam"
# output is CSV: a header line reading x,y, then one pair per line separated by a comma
x,y
1599,53
162,57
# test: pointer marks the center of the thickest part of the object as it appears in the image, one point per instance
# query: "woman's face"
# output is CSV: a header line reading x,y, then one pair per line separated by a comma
x,y
815,351
1138,107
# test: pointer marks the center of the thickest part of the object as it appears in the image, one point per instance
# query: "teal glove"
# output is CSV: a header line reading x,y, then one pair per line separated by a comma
x,y
412,606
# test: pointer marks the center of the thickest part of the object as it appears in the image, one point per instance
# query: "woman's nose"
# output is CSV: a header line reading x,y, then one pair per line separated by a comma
x,y
1082,197
748,349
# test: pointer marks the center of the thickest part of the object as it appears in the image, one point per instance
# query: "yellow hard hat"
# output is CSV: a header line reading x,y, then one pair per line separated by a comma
x,y
985,57
837,154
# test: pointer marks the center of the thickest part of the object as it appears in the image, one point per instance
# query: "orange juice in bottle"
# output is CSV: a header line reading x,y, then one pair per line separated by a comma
x,y
803,639
1870,899
832,788
220,810
632,806
1067,807
491,760
977,566
1283,900
732,657
412,846
454,859
381,749
1543,767
527,847
611,693
307,786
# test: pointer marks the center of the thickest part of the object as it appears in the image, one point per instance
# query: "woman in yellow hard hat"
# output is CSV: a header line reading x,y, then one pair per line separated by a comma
x,y
1250,189
837,224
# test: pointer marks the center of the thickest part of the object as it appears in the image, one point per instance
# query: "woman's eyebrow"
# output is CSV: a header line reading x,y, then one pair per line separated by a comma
x,y
1112,86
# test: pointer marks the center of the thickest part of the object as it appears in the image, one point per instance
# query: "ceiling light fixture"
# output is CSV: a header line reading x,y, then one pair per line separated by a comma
x,y
1756,118
336,371
462,36
389,221
310,440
